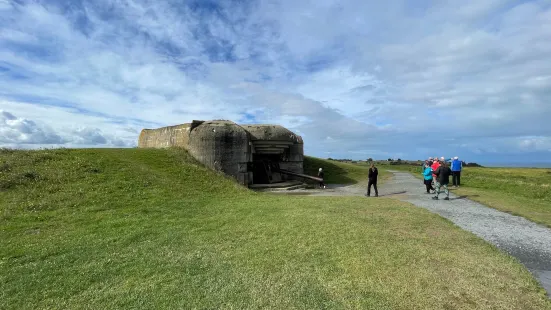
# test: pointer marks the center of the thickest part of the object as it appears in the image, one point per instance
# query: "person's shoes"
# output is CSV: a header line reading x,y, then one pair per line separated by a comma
x,y
434,198
376,195
447,198
324,186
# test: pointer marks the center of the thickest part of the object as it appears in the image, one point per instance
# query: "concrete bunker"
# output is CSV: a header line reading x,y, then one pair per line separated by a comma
x,y
252,154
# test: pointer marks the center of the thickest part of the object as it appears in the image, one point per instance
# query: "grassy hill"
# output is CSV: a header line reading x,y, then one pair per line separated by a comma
x,y
137,228
520,191
339,172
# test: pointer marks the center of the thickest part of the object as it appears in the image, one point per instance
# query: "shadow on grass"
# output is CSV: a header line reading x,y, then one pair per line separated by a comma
x,y
334,173
393,193
464,197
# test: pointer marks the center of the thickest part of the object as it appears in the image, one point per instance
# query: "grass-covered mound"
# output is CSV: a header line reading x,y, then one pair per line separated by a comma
x,y
339,172
520,191
135,228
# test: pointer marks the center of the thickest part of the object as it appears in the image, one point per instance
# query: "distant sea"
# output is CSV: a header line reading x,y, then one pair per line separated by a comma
x,y
518,165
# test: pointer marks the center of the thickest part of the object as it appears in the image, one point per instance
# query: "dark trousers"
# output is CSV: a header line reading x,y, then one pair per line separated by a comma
x,y
456,178
374,183
428,185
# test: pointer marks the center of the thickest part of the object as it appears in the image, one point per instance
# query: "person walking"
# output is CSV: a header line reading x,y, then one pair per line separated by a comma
x,y
456,171
427,175
443,174
321,175
434,166
424,166
425,163
372,180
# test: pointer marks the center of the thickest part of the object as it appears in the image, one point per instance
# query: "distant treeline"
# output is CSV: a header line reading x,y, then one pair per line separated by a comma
x,y
398,161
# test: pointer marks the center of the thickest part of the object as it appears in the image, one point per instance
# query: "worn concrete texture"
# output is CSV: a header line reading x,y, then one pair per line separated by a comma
x,y
222,146
268,139
171,136
272,133
225,146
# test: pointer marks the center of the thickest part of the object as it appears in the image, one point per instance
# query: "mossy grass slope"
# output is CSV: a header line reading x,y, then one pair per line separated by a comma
x,y
152,229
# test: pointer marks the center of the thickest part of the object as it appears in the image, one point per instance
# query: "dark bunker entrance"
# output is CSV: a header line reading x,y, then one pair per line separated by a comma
x,y
266,168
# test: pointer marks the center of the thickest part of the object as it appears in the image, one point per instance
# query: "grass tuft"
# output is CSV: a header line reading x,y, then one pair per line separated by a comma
x,y
5,167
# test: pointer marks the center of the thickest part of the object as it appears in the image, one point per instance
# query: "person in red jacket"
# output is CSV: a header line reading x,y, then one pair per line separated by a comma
x,y
435,166
443,174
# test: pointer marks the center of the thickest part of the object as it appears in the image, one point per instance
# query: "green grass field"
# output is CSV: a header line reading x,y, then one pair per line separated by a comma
x,y
520,191
341,173
152,229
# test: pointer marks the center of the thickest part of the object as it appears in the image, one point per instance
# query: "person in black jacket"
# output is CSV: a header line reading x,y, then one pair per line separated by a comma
x,y
443,174
372,180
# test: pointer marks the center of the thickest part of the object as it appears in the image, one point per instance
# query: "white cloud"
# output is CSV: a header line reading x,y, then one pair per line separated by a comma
x,y
391,78
23,131
535,143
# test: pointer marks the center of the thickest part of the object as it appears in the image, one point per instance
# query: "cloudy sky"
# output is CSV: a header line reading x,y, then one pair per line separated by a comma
x,y
356,78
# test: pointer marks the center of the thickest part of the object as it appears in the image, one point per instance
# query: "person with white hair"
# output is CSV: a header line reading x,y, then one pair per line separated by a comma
x,y
457,165
321,175
430,161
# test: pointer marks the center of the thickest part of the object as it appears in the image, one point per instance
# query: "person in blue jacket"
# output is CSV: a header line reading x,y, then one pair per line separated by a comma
x,y
456,171
427,173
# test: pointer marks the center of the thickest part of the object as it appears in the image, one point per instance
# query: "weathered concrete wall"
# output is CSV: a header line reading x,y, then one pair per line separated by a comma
x,y
172,136
279,136
296,153
222,146
271,132
225,146
296,159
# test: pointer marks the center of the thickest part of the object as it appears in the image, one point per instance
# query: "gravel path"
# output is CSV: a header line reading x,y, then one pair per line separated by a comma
x,y
528,242
523,239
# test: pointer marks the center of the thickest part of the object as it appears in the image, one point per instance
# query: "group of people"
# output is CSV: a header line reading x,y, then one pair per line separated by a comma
x,y
437,172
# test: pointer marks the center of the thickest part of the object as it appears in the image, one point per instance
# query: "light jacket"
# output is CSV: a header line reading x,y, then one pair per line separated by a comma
x,y
456,165
428,173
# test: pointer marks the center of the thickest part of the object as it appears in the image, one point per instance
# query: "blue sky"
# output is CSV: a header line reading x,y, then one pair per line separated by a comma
x,y
357,79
